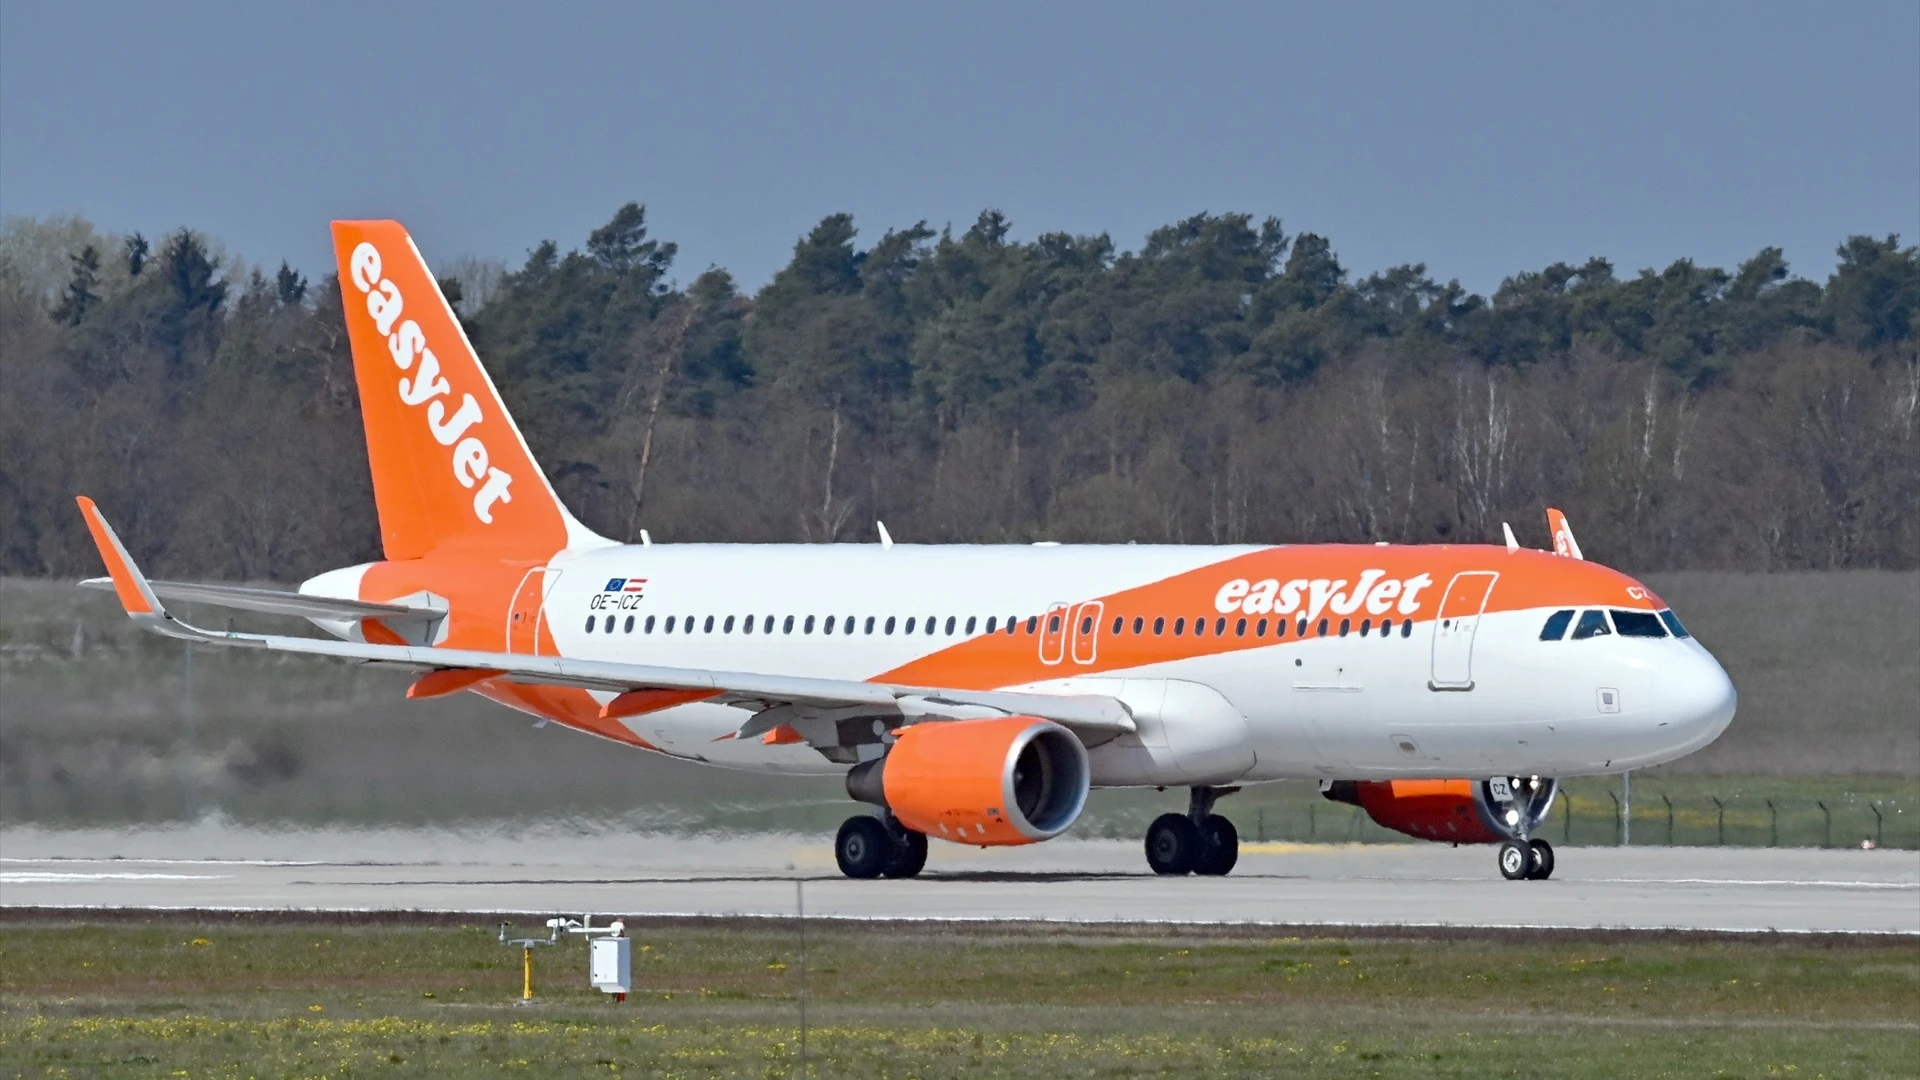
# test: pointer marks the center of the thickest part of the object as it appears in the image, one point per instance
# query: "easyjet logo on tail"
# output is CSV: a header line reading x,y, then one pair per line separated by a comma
x,y
1375,591
470,463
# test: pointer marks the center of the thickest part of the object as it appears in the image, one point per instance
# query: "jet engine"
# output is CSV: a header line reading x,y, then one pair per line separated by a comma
x,y
1012,780
1457,811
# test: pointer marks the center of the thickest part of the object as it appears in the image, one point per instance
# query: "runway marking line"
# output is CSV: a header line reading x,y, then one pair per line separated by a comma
x,y
29,877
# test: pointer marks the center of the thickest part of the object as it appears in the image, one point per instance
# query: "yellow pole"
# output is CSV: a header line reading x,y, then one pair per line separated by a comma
x,y
526,965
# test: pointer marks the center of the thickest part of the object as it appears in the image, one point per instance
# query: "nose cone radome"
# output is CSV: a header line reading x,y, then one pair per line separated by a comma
x,y
1698,698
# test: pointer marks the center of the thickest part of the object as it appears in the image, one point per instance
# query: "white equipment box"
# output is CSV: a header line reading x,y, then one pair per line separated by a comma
x,y
610,964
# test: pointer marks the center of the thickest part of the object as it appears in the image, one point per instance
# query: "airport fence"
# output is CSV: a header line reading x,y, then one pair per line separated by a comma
x,y
1602,817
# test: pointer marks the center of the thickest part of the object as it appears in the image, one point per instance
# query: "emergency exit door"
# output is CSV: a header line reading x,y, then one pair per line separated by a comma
x,y
1454,627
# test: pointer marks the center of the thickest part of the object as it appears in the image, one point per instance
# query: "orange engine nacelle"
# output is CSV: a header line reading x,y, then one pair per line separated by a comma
x,y
1448,810
988,782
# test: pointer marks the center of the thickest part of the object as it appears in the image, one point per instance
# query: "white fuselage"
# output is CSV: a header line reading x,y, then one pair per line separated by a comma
x,y
1315,707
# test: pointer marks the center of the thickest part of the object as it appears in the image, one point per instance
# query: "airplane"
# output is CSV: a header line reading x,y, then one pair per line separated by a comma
x,y
972,693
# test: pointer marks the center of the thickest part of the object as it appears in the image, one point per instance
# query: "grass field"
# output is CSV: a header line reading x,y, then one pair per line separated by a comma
x,y
239,997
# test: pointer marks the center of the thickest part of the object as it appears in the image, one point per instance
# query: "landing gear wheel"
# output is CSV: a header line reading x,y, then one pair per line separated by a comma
x,y
1222,848
863,849
1542,860
1516,860
909,853
1174,844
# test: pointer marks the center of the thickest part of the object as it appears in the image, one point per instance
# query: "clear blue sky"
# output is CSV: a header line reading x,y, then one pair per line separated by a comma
x,y
1479,139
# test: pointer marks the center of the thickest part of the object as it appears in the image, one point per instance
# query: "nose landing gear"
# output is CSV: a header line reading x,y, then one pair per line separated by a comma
x,y
1196,842
1519,805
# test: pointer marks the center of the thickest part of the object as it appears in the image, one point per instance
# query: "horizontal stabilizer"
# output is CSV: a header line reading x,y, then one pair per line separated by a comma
x,y
276,601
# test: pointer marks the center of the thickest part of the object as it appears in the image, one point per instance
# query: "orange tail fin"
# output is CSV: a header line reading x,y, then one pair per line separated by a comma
x,y
448,462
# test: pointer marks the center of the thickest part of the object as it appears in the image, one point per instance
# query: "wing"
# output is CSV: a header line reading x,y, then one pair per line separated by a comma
x,y
278,601
773,699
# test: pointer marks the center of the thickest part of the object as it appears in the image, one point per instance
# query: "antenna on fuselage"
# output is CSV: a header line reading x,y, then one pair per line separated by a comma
x,y
646,539
1512,544
886,538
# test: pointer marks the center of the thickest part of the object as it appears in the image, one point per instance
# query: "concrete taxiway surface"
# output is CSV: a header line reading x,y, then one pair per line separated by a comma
x,y
1739,889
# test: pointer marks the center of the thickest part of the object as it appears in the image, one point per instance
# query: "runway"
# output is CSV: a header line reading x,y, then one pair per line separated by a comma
x,y
563,871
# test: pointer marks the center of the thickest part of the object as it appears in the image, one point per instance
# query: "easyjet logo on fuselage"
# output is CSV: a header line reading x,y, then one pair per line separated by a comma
x,y
1375,591
426,386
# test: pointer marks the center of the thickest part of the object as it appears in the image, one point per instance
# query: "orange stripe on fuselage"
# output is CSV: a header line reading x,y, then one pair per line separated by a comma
x,y
1331,573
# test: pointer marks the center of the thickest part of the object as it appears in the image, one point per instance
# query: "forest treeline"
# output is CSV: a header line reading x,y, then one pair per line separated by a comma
x,y
1226,382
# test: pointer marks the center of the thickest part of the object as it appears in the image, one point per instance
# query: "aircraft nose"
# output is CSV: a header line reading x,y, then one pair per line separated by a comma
x,y
1699,697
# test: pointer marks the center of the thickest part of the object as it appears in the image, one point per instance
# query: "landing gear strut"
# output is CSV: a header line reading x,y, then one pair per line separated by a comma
x,y
1197,842
1524,805
869,847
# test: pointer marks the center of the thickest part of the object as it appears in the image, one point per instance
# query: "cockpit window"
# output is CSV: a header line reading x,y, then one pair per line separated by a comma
x,y
1673,623
1591,624
1638,624
1556,627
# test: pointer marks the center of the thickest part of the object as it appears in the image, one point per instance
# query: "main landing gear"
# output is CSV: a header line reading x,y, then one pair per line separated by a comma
x,y
1196,842
871,847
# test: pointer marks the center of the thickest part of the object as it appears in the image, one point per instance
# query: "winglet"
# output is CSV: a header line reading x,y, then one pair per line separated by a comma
x,y
128,583
1563,541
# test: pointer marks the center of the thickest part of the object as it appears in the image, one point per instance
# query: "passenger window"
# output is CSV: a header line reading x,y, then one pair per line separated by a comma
x,y
1240,628
1279,628
1556,627
1199,628
1159,625
1673,623
869,624
1260,628
1139,624
669,624
1323,628
950,624
609,626
1179,627
1366,625
933,623
1638,624
1345,625
1220,627
1406,628
590,621
1033,621
826,627
628,628
1591,624
1053,624
727,627
970,620
746,624
1301,630
1119,623
648,628
909,626
1386,627
708,625
785,627
889,627
991,620
807,627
